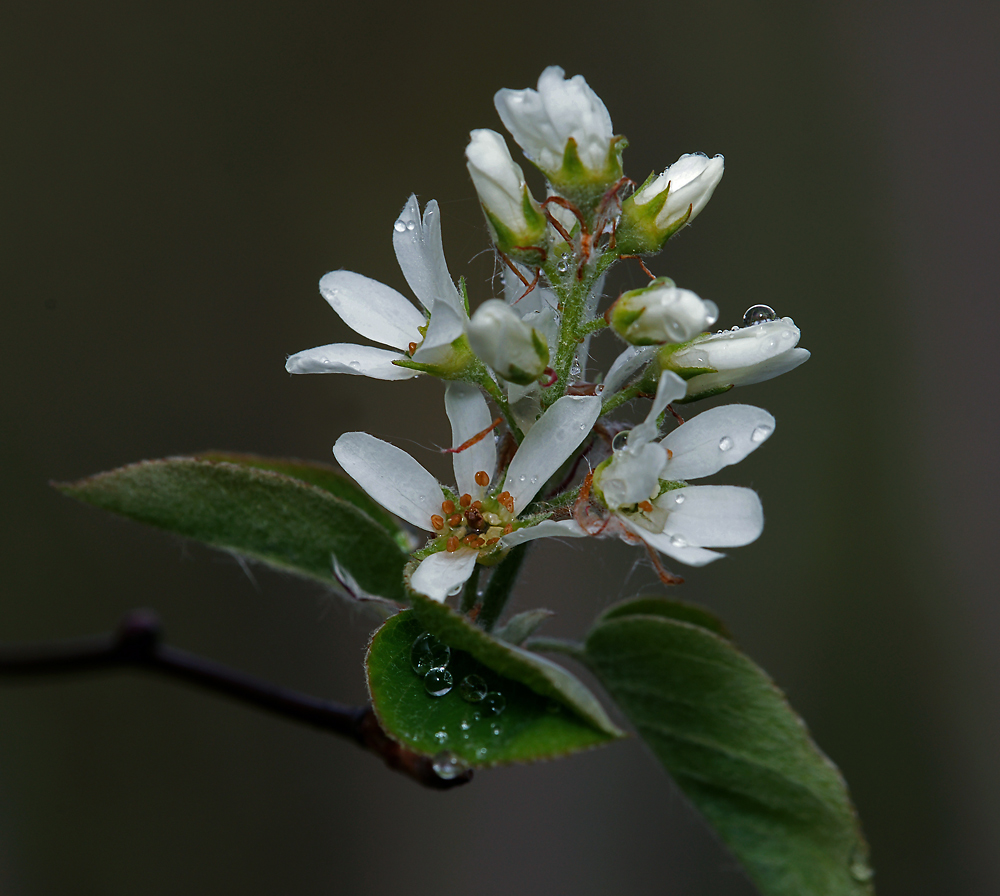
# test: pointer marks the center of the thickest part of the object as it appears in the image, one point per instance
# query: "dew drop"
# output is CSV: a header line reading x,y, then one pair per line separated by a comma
x,y
399,227
473,688
725,443
678,542
619,441
760,433
453,591
441,736
437,682
562,267
678,500
410,225
494,703
448,766
758,314
465,724
481,752
497,730
860,870
428,653
534,480
354,365
521,478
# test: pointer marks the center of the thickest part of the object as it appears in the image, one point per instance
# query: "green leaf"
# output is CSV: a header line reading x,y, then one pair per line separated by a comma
x,y
262,514
671,609
733,744
530,726
536,672
519,628
322,476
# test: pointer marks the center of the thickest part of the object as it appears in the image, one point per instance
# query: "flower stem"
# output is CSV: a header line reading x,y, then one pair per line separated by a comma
x,y
500,586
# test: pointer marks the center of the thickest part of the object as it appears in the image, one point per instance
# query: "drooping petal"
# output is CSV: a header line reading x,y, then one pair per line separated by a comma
x,y
445,327
421,255
669,388
715,439
625,365
718,516
549,444
345,357
544,529
443,573
672,546
372,308
469,415
747,376
391,477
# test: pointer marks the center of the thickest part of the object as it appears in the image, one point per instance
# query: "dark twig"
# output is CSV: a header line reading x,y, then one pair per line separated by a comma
x,y
138,643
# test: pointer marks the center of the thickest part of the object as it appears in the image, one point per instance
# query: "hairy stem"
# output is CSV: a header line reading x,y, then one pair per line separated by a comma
x,y
138,644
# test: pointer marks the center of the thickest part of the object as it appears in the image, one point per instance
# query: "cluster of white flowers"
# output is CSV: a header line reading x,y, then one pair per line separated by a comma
x,y
518,471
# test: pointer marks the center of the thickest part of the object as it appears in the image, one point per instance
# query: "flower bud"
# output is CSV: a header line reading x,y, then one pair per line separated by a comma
x,y
515,220
664,204
565,129
508,345
715,363
661,313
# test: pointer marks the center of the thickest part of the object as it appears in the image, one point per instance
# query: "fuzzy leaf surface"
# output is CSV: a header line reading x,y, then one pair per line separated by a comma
x,y
259,513
732,743
530,726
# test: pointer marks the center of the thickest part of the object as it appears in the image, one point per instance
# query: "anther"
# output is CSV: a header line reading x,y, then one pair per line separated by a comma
x,y
646,506
448,506
437,522
465,500
477,505
452,544
490,541
412,347
455,519
508,528
482,478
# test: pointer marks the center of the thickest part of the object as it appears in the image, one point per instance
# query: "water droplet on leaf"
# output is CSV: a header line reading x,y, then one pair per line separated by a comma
x,y
441,737
447,765
494,703
428,653
438,682
473,688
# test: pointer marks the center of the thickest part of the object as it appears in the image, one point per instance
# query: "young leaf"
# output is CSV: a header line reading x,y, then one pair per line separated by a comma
x,y
261,514
528,726
322,476
536,672
732,743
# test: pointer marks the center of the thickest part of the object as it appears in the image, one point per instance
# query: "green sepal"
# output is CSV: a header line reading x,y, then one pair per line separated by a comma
x,y
638,233
521,247
728,737
583,186
531,726
257,512
459,366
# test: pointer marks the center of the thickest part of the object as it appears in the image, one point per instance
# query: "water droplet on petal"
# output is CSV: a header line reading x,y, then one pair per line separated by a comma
x,y
399,227
447,765
427,653
761,432
534,480
453,591
678,500
521,478
619,441
725,443
410,225
678,542
494,703
473,688
354,365
758,314
438,682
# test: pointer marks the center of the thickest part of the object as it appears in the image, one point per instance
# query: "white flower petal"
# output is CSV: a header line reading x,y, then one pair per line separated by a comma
x,y
747,376
372,308
445,327
673,546
632,476
715,439
421,255
345,357
718,516
469,415
550,442
544,529
668,389
391,477
443,573
625,365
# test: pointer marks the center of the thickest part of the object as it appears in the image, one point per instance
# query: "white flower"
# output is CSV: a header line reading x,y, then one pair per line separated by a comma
x,y
738,357
515,219
543,121
683,522
379,313
688,183
508,345
661,313
465,533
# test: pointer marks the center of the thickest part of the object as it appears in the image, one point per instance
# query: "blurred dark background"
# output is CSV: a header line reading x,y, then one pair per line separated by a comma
x,y
176,178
